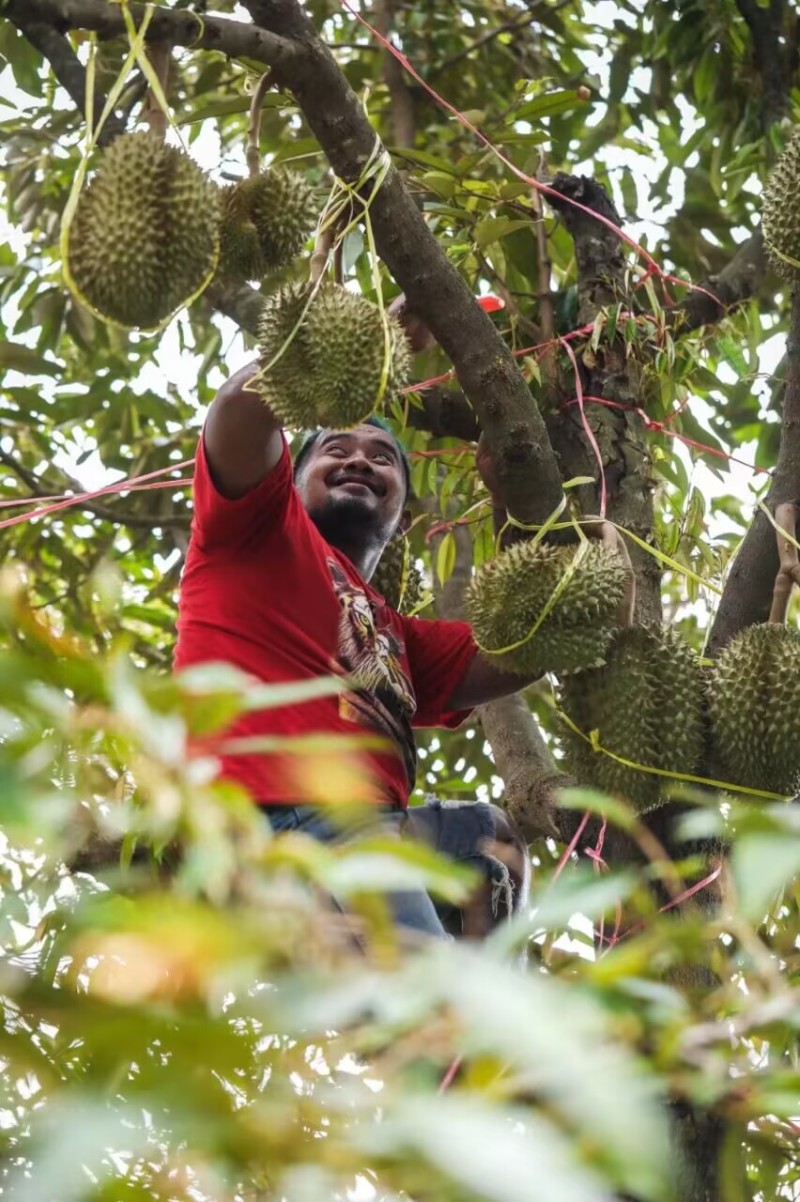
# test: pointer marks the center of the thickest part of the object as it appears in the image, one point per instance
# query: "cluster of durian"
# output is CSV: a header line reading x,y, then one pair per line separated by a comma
x,y
145,234
647,705
754,703
397,577
779,220
266,220
328,357
151,230
578,595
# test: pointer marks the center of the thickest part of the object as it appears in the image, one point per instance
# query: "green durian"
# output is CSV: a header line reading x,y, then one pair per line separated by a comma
x,y
507,596
265,222
647,705
754,702
145,234
322,356
397,578
780,219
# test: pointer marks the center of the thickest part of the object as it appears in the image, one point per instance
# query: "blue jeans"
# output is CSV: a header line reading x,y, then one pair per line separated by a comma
x,y
410,909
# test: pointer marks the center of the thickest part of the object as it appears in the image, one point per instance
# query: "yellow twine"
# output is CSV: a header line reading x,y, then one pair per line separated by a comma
x,y
593,739
370,168
136,54
580,554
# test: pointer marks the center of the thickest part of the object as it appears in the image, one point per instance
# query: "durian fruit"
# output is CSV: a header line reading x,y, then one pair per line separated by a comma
x,y
506,598
647,705
754,702
145,234
780,220
265,222
397,578
322,359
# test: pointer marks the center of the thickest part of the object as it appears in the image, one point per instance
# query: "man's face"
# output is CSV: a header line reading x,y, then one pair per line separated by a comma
x,y
354,479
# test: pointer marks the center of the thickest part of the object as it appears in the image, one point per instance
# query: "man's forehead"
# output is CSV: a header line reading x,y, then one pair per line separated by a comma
x,y
369,434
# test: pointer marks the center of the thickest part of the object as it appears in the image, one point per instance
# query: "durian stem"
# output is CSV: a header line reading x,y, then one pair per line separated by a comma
x,y
338,262
254,124
610,537
322,251
159,54
789,572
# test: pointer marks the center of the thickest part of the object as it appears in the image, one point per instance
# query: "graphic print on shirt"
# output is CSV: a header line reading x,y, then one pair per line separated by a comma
x,y
371,655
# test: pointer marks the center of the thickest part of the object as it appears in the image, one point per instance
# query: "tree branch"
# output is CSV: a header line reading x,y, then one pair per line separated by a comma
x,y
400,95
175,27
515,432
67,67
134,521
765,24
614,376
736,283
747,595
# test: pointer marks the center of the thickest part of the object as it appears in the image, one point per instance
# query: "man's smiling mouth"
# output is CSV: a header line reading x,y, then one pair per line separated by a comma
x,y
356,482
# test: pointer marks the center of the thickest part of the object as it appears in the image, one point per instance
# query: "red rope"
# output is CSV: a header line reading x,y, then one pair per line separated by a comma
x,y
126,485
588,431
661,428
544,189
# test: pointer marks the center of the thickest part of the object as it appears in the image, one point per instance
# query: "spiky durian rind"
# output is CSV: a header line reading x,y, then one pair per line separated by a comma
x,y
265,222
647,705
322,356
145,234
780,220
397,578
754,703
507,597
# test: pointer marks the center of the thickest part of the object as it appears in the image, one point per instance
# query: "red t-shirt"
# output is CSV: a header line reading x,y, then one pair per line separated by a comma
x,y
264,591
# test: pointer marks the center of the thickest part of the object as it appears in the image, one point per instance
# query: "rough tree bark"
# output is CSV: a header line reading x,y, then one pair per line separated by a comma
x,y
615,377
747,595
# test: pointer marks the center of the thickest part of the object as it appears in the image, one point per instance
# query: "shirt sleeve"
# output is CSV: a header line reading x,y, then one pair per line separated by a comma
x,y
439,654
221,524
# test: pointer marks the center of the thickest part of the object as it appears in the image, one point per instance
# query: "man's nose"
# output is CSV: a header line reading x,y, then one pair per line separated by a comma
x,y
358,461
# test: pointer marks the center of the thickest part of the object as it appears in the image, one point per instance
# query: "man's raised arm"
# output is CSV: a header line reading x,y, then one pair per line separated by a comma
x,y
242,437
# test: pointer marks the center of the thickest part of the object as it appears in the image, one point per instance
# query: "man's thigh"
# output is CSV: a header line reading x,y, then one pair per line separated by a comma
x,y
411,909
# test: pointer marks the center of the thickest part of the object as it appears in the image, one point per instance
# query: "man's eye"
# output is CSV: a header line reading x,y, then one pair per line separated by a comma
x,y
335,450
383,457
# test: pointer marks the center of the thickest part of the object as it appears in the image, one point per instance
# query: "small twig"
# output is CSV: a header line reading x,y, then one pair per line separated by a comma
x,y
789,571
254,125
512,26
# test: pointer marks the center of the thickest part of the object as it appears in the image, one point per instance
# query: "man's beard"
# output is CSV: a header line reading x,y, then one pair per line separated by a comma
x,y
345,522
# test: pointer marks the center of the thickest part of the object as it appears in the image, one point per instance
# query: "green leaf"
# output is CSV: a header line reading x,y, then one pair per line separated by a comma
x,y
446,557
762,865
14,356
492,229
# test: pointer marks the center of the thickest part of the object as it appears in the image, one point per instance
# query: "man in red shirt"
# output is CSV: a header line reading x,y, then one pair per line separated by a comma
x,y
277,583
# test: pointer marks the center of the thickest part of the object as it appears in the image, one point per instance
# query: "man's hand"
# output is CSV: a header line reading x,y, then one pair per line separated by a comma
x,y
488,473
419,336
